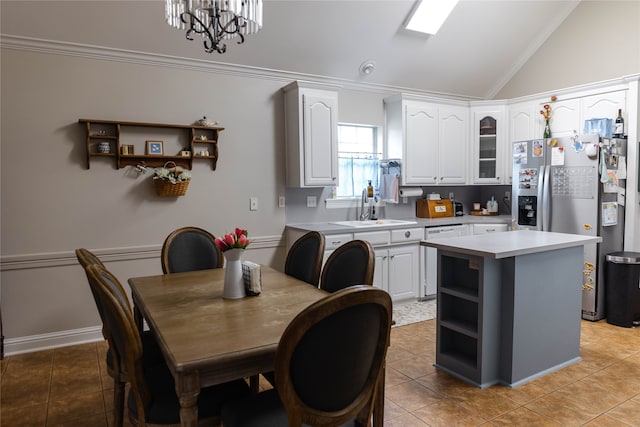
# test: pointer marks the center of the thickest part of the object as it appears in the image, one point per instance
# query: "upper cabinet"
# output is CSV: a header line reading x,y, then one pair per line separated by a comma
x,y
429,137
311,134
490,147
522,121
603,105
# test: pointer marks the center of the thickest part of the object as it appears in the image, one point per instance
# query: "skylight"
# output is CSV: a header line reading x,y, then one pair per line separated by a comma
x,y
429,15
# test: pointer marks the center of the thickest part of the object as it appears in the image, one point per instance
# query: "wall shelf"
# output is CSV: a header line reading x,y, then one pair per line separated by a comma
x,y
198,138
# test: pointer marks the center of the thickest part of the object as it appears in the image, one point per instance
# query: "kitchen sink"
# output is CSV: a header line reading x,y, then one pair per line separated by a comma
x,y
373,223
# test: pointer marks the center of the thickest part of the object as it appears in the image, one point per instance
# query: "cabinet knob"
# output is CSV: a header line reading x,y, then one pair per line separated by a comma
x,y
441,178
407,234
497,178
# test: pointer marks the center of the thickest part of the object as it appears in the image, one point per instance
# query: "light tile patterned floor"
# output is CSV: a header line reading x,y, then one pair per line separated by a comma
x,y
69,386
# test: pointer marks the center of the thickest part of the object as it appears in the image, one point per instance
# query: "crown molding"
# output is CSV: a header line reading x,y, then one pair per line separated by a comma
x,y
55,47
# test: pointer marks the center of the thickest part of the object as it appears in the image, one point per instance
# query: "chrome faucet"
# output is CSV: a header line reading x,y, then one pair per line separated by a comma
x,y
364,199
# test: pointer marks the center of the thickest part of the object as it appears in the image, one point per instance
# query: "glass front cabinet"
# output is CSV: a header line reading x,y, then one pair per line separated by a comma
x,y
489,149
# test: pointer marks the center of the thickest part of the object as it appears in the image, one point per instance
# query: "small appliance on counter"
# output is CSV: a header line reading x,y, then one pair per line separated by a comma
x,y
458,209
440,208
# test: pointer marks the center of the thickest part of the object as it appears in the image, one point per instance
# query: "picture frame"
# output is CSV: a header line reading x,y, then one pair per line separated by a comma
x,y
155,147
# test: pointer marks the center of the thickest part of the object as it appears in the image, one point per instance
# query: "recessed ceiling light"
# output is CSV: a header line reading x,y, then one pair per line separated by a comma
x,y
428,16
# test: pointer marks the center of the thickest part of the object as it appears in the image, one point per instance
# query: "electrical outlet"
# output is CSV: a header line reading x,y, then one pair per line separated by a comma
x,y
507,196
312,201
451,196
281,202
253,203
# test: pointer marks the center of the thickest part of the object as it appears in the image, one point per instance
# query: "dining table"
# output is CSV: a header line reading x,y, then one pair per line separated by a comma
x,y
207,339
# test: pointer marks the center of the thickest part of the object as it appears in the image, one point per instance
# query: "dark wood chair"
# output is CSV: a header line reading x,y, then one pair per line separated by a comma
x,y
190,249
152,352
328,364
152,395
352,263
304,259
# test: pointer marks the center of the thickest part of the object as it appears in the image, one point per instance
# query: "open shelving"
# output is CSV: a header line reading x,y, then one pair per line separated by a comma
x,y
191,139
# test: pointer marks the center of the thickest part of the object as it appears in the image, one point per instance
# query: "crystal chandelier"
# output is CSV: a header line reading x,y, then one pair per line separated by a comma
x,y
215,20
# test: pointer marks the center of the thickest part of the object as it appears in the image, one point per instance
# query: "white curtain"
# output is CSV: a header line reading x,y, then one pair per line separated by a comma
x,y
355,175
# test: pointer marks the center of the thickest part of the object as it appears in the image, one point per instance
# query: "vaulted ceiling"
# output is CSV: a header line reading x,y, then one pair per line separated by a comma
x,y
480,46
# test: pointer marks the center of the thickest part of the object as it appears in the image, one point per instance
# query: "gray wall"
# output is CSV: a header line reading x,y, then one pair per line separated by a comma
x,y
50,204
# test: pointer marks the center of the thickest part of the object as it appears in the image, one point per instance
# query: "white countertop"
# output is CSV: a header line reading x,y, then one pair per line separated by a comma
x,y
328,228
514,243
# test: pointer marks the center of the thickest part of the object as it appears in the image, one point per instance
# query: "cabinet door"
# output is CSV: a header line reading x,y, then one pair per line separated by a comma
x,y
320,126
452,145
421,143
489,148
565,117
604,105
522,121
381,272
403,272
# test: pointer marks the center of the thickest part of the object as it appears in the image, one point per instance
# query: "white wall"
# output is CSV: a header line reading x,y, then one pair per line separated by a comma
x,y
599,41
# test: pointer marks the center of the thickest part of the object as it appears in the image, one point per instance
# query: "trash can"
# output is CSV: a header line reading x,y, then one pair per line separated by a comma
x,y
622,282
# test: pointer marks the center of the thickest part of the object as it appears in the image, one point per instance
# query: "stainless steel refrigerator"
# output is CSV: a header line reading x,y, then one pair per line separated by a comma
x,y
574,185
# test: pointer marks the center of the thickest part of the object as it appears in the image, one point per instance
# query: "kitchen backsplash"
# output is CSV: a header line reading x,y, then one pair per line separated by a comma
x,y
298,212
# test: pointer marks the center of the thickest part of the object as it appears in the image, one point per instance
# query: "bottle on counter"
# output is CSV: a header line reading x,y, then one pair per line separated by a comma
x,y
370,190
618,128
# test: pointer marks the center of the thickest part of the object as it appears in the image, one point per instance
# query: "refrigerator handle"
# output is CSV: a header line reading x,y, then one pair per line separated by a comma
x,y
546,199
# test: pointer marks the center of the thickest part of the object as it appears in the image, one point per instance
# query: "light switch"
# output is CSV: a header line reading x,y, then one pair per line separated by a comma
x,y
281,202
312,201
253,204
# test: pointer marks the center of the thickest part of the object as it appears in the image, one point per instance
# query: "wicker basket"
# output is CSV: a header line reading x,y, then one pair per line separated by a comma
x,y
167,188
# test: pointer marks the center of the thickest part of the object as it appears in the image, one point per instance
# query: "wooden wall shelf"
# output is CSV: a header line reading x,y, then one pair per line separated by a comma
x,y
199,138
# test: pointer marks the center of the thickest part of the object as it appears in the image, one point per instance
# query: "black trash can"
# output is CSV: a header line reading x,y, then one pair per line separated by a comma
x,y
622,282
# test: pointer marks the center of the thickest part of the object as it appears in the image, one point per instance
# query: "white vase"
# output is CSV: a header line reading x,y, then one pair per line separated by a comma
x,y
233,282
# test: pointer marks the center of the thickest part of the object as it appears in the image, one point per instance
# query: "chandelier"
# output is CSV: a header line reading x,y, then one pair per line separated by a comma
x,y
215,20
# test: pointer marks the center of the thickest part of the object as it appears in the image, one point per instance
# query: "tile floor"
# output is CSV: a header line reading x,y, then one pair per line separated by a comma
x,y
70,387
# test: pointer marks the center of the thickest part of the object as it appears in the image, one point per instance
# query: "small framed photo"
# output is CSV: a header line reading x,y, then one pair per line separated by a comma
x,y
155,148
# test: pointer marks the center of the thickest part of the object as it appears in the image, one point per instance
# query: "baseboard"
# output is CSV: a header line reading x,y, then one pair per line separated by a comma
x,y
52,340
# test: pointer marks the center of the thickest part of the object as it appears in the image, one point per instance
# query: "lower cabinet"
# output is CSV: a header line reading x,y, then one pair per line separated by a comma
x,y
403,272
468,322
397,255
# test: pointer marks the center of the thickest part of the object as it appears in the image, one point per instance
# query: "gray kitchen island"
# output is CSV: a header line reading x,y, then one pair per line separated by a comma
x,y
509,304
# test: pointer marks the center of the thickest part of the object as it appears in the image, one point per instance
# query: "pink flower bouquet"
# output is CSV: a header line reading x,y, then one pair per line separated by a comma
x,y
234,240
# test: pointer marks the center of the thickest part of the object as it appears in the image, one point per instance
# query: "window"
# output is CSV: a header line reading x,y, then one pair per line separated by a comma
x,y
358,159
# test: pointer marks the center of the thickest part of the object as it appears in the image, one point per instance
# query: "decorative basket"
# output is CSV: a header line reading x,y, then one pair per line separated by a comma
x,y
167,188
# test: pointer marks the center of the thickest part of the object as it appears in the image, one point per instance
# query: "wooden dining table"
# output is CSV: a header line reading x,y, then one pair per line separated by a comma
x,y
208,340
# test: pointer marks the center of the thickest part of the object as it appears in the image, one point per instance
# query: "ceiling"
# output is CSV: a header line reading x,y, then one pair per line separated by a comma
x,y
480,46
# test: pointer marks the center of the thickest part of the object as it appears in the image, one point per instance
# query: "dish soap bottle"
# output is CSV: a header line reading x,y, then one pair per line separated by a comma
x,y
370,190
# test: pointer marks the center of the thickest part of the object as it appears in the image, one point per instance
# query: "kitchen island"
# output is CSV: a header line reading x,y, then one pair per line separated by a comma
x,y
509,305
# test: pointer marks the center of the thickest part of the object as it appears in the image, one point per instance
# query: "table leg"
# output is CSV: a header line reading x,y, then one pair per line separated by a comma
x,y
187,389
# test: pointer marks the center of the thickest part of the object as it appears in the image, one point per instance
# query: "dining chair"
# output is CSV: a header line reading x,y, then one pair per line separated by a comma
x,y
152,352
328,364
152,395
350,264
189,249
304,259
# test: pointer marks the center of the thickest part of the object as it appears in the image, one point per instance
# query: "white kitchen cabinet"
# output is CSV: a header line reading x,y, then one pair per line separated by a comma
x,y
403,272
603,105
429,138
565,117
488,228
523,121
381,272
490,147
311,135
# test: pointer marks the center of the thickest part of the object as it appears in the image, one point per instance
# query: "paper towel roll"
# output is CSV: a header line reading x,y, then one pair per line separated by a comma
x,y
410,192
